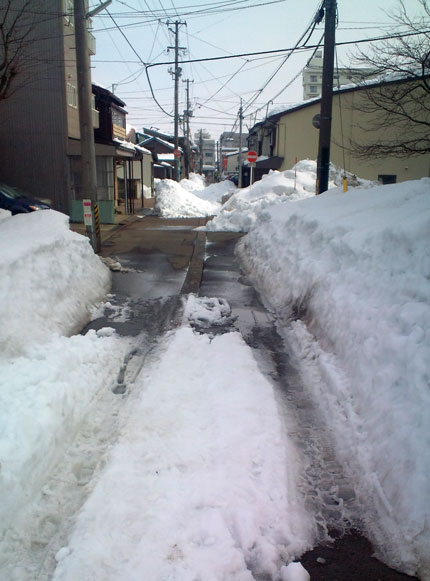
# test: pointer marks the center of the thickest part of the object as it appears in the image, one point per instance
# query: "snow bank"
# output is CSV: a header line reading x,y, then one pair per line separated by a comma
x,y
190,198
202,483
242,210
196,181
49,277
49,281
351,270
4,214
44,398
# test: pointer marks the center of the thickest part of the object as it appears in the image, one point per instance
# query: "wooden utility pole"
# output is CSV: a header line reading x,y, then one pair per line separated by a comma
x,y
201,150
187,115
88,152
323,165
239,157
177,74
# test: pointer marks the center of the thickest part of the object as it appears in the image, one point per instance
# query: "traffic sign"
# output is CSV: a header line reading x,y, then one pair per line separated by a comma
x,y
252,156
177,153
88,214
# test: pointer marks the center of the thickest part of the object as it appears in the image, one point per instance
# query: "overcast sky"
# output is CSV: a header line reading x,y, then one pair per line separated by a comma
x,y
137,32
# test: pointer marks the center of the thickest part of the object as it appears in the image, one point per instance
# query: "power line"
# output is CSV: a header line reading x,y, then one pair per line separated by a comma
x,y
280,50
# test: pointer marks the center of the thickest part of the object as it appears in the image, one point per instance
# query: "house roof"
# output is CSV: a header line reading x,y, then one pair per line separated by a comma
x,y
156,133
98,90
147,141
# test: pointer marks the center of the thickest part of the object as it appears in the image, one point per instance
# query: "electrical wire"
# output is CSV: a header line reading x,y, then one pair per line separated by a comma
x,y
144,64
309,31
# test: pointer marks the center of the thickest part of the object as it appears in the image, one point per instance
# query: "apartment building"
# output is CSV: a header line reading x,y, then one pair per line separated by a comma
x,y
39,128
312,76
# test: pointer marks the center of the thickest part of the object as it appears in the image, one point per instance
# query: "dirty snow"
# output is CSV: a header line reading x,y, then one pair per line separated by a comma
x,y
350,271
203,481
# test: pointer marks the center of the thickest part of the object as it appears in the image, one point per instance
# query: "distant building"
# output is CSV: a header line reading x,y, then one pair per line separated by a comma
x,y
312,76
230,141
207,155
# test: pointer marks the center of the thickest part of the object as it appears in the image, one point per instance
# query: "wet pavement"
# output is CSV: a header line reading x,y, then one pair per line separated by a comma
x,y
163,260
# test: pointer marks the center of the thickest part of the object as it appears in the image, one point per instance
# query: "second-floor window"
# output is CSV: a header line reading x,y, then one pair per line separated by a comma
x,y
313,89
118,118
68,11
72,96
314,78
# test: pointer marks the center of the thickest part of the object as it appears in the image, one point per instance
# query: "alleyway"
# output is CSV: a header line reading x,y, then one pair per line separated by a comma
x,y
168,259
155,264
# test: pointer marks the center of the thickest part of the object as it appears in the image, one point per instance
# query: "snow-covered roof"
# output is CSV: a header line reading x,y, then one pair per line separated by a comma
x,y
131,146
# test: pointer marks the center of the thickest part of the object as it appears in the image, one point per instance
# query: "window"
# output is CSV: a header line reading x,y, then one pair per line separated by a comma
x,y
72,96
314,78
387,179
94,112
118,118
208,154
68,11
313,89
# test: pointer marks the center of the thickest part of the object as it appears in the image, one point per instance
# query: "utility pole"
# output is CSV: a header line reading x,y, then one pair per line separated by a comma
x,y
187,115
177,74
239,157
323,165
221,167
201,150
88,152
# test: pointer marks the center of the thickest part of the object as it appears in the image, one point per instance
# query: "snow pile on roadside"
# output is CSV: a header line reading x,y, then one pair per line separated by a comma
x,y
44,398
4,214
49,281
351,271
174,201
196,181
242,210
202,483
214,193
49,277
190,198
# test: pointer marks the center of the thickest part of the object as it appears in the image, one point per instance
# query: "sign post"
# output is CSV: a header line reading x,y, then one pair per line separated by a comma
x,y
177,155
252,158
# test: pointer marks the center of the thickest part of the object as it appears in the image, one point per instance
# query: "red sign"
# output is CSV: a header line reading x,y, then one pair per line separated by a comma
x,y
224,162
177,153
252,156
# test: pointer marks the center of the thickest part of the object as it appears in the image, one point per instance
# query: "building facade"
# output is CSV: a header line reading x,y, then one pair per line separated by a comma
x,y
290,136
42,114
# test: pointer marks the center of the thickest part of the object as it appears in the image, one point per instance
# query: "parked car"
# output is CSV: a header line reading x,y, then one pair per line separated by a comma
x,y
19,202
233,177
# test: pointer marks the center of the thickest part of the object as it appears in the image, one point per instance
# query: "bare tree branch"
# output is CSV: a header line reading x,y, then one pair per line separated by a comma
x,y
15,35
400,104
